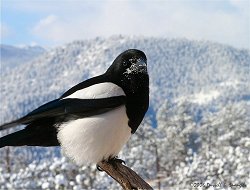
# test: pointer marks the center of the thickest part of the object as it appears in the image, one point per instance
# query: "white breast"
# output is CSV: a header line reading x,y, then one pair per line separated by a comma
x,y
92,139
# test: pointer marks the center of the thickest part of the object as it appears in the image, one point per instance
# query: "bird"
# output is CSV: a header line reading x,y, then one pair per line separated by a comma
x,y
94,119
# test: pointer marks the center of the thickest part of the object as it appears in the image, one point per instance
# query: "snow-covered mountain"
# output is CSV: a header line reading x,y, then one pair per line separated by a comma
x,y
204,73
199,93
12,56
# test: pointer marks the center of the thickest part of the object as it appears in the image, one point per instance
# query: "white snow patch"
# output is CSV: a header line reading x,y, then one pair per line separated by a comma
x,y
205,97
80,59
200,98
60,180
79,179
45,185
65,73
232,83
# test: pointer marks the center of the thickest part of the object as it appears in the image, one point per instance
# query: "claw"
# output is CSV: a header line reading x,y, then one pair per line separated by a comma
x,y
120,161
99,168
116,159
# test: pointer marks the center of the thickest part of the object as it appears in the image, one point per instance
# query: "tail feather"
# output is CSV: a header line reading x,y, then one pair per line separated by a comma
x,y
18,138
10,124
31,136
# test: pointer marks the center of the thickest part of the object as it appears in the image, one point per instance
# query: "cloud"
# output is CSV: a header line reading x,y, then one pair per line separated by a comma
x,y
242,5
5,31
220,26
57,29
189,19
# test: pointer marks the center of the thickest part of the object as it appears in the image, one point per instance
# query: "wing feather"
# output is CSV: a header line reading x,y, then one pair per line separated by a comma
x,y
72,107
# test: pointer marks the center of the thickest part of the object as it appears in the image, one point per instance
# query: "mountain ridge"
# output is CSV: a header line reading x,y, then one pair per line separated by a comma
x,y
178,69
12,56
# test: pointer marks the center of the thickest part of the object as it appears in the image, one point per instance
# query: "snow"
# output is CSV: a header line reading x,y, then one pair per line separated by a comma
x,y
60,180
45,185
188,80
233,83
12,56
79,179
205,97
201,98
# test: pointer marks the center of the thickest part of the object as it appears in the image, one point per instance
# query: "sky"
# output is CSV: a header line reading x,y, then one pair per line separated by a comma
x,y
52,23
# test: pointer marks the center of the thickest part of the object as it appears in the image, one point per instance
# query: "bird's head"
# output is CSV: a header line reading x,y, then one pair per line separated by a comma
x,y
129,70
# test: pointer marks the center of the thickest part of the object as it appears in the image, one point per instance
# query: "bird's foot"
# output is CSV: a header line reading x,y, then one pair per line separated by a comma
x,y
112,161
116,159
99,168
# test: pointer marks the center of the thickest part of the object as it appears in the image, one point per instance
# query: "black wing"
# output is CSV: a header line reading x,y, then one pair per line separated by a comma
x,y
69,108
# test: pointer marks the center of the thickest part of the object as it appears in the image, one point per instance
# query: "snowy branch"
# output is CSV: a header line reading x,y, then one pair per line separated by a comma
x,y
125,176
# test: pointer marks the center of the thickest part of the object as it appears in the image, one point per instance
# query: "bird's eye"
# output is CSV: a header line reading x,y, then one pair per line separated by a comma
x,y
124,63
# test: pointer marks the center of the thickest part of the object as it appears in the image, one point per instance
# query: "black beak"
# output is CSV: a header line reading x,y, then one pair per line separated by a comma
x,y
141,63
140,66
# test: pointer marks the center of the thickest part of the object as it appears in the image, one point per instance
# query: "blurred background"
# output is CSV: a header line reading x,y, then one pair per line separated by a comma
x,y
197,129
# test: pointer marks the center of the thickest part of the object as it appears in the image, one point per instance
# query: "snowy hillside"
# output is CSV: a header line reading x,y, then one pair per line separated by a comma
x,y
199,104
201,72
12,56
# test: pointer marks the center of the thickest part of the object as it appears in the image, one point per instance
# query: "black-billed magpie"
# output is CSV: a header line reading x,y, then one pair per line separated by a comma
x,y
94,119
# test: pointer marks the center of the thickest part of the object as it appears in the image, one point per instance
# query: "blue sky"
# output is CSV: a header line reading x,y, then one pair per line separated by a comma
x,y
55,22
